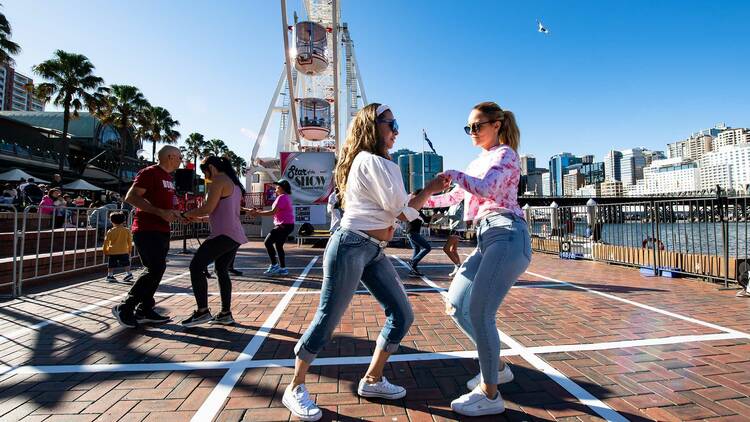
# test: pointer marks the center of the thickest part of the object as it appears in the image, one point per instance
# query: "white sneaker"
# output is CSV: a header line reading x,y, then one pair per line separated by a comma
x,y
503,377
455,271
272,269
475,403
382,389
743,293
298,401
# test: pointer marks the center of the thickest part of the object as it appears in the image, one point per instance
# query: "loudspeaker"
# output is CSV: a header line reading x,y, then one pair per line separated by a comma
x,y
183,180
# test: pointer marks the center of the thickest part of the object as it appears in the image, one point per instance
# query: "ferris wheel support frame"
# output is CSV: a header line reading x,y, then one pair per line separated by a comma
x,y
288,65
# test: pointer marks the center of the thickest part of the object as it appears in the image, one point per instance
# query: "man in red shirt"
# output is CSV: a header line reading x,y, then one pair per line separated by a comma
x,y
153,195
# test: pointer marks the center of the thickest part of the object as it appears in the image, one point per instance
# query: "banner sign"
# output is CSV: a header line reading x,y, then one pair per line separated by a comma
x,y
313,214
310,174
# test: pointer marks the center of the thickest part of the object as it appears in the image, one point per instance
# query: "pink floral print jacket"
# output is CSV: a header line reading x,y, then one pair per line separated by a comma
x,y
490,184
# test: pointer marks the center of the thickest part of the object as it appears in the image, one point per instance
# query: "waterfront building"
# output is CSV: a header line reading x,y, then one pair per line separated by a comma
x,y
632,163
670,176
611,188
528,164
729,167
732,136
546,184
612,170
558,165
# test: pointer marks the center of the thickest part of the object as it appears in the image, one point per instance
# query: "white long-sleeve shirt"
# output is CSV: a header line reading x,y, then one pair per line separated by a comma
x,y
375,194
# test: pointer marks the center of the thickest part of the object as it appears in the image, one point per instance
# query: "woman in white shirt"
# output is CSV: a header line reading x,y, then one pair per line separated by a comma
x,y
373,197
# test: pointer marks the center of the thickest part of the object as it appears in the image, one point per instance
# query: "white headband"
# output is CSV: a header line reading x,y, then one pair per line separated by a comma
x,y
382,108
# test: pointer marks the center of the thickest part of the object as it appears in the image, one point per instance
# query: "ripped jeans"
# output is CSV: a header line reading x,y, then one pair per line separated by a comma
x,y
503,253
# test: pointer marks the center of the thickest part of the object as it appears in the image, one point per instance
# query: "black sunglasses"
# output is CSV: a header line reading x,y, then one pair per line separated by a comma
x,y
476,127
391,123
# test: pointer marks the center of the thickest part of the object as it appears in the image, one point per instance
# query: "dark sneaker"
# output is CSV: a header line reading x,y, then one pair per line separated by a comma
x,y
111,279
126,319
415,273
197,318
222,318
235,272
128,278
150,317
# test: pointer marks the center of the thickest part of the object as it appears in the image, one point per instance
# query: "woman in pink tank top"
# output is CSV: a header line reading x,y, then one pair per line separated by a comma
x,y
222,206
283,222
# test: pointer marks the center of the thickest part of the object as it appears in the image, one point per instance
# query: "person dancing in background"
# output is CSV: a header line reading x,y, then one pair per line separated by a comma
x,y
223,206
283,221
489,191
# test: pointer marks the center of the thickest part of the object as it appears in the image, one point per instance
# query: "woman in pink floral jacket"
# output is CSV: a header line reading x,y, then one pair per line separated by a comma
x,y
488,189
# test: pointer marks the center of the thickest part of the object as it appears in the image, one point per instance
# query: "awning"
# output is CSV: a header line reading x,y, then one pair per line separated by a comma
x,y
81,184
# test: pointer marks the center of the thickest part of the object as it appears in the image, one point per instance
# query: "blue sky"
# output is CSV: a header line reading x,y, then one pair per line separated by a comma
x,y
612,74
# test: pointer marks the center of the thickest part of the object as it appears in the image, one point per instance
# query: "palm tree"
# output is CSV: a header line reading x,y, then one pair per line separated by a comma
x,y
195,144
157,125
7,47
122,108
215,147
72,82
238,163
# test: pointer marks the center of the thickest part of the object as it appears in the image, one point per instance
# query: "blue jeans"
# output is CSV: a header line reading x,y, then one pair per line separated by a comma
x,y
503,253
421,248
349,258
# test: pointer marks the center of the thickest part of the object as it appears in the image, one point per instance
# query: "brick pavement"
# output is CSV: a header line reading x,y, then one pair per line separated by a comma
x,y
670,367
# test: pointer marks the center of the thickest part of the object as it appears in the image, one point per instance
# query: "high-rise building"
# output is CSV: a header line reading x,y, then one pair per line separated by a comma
x,y
696,145
558,165
534,182
732,136
587,159
631,166
401,157
729,167
433,164
673,175
652,156
546,184
16,91
572,181
611,188
528,164
612,170
593,173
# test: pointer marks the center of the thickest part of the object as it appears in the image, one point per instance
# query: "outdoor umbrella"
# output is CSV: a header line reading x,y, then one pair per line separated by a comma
x,y
81,184
16,174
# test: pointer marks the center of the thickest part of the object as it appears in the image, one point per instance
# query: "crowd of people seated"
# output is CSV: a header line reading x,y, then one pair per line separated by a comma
x,y
65,208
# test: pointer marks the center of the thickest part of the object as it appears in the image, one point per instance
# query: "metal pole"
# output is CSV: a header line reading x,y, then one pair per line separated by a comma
x,y
288,65
336,94
722,200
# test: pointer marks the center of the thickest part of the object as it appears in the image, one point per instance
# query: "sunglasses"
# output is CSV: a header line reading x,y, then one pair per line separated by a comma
x,y
391,123
476,127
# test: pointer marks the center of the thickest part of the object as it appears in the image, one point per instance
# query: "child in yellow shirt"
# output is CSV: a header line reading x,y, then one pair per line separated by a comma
x,y
118,243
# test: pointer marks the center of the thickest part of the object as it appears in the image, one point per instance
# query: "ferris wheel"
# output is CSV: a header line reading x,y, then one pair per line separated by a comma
x,y
320,87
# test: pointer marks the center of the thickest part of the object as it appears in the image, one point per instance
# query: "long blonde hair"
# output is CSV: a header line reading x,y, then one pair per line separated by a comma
x,y
363,135
509,133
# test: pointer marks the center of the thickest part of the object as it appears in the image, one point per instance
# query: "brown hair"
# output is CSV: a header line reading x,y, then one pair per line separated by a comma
x,y
509,133
363,135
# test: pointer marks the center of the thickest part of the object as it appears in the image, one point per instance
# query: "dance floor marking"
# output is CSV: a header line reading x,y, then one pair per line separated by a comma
x,y
235,369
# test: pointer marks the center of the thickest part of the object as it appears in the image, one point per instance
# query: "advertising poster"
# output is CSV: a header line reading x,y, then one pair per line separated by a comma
x,y
310,174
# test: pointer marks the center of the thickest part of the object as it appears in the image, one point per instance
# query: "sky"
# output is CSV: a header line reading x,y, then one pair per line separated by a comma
x,y
609,75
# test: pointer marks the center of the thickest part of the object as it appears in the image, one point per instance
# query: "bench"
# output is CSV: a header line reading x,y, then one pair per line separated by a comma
x,y
317,235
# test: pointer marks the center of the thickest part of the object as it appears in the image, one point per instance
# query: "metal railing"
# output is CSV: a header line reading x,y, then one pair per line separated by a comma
x,y
48,241
41,242
706,237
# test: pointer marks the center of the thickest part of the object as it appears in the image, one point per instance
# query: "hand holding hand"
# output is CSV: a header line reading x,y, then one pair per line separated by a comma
x,y
169,215
438,184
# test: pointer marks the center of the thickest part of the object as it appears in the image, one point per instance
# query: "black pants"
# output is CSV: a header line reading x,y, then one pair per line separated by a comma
x,y
152,248
275,243
221,251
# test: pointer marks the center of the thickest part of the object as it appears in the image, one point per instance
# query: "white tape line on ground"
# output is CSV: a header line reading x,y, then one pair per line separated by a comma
x,y
644,306
215,400
576,390
63,317
350,360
